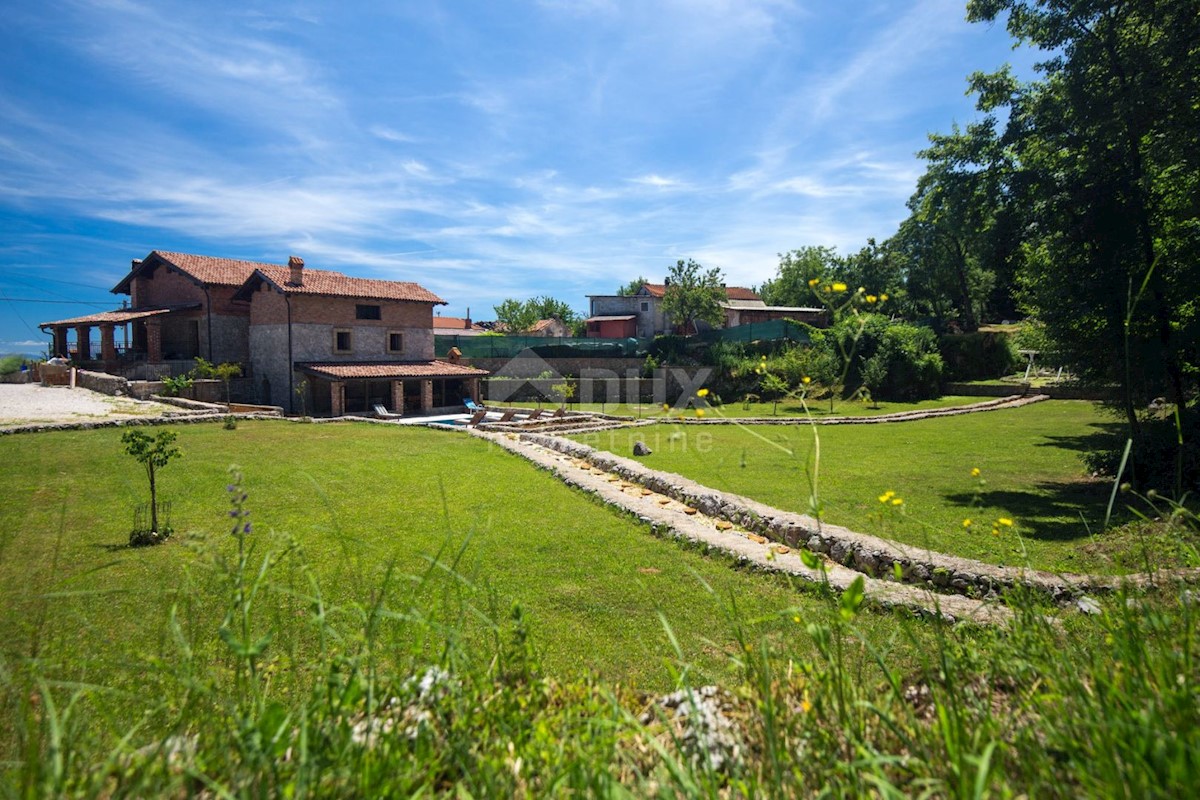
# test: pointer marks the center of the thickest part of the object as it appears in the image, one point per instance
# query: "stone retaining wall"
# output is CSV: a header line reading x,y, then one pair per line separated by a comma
x,y
868,554
102,382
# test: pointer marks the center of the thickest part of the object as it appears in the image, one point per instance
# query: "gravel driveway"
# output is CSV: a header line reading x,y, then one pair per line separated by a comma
x,y
29,402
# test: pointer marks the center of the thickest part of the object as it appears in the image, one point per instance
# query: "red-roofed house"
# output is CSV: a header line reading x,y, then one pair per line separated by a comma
x,y
347,344
641,314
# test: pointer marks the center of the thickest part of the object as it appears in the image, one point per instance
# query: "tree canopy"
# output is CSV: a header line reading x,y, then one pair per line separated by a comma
x,y
632,288
1103,158
519,316
694,294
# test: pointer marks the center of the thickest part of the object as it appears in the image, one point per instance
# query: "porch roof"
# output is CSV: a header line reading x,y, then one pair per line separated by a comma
x,y
389,370
118,317
622,318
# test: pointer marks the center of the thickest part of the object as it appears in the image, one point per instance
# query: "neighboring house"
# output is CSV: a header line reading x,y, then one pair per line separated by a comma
x,y
456,326
346,343
549,328
641,314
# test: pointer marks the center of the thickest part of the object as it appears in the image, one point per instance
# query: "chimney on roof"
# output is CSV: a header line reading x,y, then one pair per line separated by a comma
x,y
666,281
296,268
135,263
467,324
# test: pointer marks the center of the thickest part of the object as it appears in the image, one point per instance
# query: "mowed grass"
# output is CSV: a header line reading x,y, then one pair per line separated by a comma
x,y
359,500
785,408
1029,459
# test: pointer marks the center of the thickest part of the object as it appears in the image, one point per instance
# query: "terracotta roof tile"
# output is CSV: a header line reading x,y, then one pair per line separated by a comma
x,y
390,369
454,323
741,293
335,284
207,269
118,317
731,292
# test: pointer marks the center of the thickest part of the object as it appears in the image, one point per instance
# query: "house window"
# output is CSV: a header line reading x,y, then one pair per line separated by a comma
x,y
645,306
342,341
395,342
367,312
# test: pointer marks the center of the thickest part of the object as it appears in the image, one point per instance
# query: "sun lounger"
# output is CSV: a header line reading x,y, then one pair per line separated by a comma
x,y
471,405
383,413
537,412
508,415
558,412
477,417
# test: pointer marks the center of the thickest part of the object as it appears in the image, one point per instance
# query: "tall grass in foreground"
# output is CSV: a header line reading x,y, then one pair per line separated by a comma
x,y
1104,705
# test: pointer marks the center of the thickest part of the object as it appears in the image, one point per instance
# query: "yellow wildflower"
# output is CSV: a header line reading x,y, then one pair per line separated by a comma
x,y
806,380
882,297
839,287
813,282
666,407
888,495
871,298
699,412
975,473
1005,521
702,393
967,522
896,501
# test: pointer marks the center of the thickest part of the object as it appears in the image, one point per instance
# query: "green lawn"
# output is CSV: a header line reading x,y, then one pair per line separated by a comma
x,y
785,408
357,497
1029,458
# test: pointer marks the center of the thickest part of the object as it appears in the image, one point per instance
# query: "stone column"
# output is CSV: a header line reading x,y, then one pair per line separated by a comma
x,y
472,385
398,396
108,343
60,342
154,341
426,395
83,342
337,398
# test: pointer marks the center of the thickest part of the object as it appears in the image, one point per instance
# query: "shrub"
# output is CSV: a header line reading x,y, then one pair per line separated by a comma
x,y
907,363
978,356
10,364
173,386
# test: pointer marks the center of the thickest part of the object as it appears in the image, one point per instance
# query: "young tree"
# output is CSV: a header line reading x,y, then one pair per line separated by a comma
x,y
154,453
694,293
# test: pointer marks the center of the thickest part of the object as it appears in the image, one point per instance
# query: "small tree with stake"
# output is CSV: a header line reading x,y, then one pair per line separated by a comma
x,y
154,453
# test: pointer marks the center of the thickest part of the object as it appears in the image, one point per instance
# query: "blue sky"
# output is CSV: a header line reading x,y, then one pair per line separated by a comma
x,y
483,149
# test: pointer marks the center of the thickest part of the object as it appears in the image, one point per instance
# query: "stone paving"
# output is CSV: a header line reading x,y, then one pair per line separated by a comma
x,y
671,517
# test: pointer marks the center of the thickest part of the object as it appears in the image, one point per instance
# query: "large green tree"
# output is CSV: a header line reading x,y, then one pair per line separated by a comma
x,y
1105,151
694,294
790,286
519,316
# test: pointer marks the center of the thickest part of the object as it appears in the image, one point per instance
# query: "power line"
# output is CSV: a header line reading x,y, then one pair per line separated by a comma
x,y
63,302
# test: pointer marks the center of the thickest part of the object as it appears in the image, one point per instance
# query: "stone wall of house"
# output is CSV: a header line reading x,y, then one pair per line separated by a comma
x,y
269,365
230,338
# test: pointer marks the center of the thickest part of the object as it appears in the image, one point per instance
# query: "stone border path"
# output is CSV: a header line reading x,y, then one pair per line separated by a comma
x,y
864,553
667,515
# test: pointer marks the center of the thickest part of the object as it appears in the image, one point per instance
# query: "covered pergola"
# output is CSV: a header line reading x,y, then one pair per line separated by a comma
x,y
338,388
144,340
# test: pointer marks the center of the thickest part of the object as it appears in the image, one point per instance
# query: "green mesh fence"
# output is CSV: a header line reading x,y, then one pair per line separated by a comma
x,y
564,347
543,346
773,330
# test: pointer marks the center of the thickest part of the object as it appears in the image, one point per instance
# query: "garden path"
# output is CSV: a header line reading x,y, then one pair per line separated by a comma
x,y
668,516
